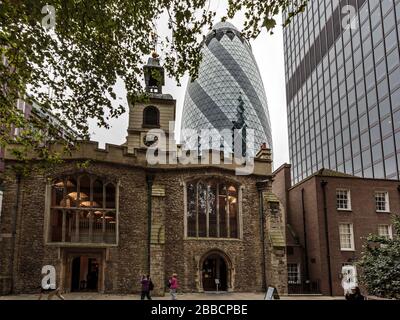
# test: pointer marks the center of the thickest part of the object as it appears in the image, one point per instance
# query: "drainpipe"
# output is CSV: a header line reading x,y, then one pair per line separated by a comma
x,y
307,273
328,255
149,180
14,232
262,234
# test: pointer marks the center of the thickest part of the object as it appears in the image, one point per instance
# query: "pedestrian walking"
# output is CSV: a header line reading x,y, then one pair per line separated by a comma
x,y
355,294
51,293
173,286
146,285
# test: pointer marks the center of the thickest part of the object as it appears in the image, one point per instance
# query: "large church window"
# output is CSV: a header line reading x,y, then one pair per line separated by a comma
x,y
232,201
191,209
212,209
202,209
222,203
83,210
110,196
151,117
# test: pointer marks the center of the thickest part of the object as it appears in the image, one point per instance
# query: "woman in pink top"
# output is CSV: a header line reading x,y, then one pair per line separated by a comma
x,y
173,285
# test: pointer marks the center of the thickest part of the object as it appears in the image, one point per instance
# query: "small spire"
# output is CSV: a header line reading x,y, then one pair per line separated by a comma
x,y
240,125
154,41
264,146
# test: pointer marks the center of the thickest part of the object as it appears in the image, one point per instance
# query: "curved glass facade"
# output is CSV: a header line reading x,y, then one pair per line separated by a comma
x,y
227,73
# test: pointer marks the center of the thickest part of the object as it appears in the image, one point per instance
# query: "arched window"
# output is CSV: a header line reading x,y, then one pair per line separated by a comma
x,y
151,117
212,209
83,209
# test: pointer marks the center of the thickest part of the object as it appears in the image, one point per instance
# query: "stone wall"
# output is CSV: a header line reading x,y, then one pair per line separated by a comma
x,y
274,222
124,264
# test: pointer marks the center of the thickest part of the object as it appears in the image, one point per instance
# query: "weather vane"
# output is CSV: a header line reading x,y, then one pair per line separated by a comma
x,y
154,41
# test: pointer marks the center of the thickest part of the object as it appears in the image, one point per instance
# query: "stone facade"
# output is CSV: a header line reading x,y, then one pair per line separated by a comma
x,y
121,265
106,239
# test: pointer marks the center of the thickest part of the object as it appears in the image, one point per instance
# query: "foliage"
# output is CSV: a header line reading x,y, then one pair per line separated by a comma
x,y
380,264
68,59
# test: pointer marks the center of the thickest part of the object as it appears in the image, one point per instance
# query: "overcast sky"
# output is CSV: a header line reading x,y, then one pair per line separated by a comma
x,y
268,51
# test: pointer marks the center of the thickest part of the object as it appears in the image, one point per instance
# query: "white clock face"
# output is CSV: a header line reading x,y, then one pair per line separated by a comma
x,y
149,139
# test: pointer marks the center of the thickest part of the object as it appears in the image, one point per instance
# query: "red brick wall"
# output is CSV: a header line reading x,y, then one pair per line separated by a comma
x,y
363,216
281,184
313,226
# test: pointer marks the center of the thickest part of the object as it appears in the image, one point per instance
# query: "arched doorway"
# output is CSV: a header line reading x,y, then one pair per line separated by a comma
x,y
215,271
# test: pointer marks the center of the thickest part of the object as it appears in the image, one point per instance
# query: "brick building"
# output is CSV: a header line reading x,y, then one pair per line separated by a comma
x,y
328,216
104,223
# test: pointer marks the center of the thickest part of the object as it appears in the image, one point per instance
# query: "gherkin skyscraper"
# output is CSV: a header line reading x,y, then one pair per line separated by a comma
x,y
228,72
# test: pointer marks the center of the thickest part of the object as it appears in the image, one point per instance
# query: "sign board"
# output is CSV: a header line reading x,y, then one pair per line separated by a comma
x,y
217,284
271,294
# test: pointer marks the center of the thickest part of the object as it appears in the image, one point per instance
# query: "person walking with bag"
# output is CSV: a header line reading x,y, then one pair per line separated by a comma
x,y
354,294
173,286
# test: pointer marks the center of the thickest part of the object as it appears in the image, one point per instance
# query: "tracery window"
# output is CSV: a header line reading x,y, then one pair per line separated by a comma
x,y
212,209
83,210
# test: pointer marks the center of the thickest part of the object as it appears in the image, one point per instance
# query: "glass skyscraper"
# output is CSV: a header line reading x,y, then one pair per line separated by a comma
x,y
228,76
343,88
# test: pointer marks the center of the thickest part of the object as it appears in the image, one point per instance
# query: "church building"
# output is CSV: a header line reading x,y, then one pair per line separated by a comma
x,y
104,217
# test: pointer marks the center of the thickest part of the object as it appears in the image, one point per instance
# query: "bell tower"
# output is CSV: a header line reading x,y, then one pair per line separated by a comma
x,y
154,112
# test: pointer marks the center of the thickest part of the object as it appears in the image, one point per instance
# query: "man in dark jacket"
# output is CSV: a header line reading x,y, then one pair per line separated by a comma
x,y
355,294
146,284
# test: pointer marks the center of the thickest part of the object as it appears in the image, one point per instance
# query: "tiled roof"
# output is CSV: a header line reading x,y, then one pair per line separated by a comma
x,y
331,173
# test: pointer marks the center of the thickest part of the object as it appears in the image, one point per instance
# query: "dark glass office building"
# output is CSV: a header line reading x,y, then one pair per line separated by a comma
x,y
228,73
343,88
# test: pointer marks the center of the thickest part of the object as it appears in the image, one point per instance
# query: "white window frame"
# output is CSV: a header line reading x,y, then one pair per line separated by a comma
x,y
298,273
348,200
389,229
352,246
387,205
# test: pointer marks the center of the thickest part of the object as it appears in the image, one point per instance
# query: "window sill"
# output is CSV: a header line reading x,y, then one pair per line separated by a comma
x,y
347,250
212,239
151,126
344,210
81,244
379,211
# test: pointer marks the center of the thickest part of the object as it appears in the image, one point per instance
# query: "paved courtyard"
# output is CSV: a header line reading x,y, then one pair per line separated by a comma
x,y
183,296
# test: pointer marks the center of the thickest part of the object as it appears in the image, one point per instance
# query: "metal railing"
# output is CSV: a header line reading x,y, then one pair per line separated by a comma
x,y
311,287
